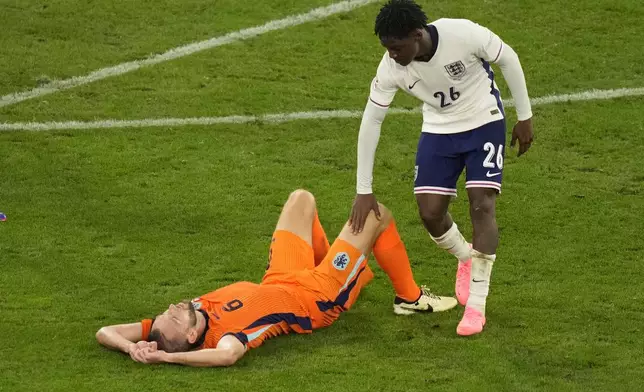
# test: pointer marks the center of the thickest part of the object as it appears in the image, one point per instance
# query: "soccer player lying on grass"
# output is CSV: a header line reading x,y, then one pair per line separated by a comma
x,y
306,286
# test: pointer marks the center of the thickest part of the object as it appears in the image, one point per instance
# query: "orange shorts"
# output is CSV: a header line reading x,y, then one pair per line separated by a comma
x,y
325,290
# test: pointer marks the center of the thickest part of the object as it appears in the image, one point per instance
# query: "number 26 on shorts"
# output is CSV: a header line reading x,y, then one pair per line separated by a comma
x,y
491,151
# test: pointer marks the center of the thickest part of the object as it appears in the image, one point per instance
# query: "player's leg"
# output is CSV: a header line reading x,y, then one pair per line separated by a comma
x,y
298,214
484,175
291,246
380,236
344,271
320,241
296,218
439,163
391,255
333,286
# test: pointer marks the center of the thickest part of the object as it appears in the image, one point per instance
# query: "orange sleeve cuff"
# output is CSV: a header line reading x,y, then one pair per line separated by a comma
x,y
146,326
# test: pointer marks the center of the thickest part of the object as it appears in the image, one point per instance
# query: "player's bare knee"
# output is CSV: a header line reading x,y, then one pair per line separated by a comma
x,y
300,194
302,200
482,207
432,208
431,214
385,215
297,214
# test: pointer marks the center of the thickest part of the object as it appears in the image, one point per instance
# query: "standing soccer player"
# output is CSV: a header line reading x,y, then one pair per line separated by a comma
x,y
446,64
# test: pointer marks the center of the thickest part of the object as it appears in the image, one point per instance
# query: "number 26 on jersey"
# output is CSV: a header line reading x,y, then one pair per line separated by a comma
x,y
447,99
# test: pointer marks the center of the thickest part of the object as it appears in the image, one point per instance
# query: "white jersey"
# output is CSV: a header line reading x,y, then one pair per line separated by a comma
x,y
456,84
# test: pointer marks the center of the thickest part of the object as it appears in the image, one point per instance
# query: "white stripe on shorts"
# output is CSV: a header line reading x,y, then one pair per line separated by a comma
x,y
483,184
436,190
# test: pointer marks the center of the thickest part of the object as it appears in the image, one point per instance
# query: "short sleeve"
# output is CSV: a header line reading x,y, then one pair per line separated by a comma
x,y
146,326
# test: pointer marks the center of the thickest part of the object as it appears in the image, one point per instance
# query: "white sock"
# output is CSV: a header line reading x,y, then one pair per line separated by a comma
x,y
480,284
454,242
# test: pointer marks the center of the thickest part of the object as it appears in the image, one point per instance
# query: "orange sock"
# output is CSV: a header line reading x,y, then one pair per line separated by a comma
x,y
391,255
320,242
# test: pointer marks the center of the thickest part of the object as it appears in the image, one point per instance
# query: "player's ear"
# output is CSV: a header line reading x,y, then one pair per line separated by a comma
x,y
417,34
193,335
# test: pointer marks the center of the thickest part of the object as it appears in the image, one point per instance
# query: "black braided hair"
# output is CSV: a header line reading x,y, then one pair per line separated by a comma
x,y
398,18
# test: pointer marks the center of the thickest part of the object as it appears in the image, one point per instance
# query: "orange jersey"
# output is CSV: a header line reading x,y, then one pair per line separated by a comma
x,y
294,296
251,312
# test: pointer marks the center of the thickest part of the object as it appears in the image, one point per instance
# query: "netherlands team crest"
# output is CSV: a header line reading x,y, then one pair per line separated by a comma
x,y
456,70
341,261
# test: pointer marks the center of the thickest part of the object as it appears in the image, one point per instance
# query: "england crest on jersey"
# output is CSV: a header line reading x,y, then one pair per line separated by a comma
x,y
456,70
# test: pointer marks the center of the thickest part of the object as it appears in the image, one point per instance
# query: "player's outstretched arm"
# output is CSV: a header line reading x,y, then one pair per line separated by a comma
x,y
368,138
382,92
121,337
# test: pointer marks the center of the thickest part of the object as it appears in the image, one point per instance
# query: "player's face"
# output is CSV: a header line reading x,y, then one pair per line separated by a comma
x,y
175,324
403,51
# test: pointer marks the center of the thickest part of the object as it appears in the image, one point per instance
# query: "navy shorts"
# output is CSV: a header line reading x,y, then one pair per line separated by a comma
x,y
440,159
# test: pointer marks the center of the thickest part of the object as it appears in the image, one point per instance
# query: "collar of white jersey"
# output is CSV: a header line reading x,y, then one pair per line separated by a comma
x,y
433,35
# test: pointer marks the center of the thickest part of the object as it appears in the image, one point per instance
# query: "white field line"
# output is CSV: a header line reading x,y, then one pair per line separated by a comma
x,y
286,117
181,51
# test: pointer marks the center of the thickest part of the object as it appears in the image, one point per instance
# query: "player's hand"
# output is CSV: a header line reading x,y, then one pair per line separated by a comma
x,y
143,344
137,354
362,205
137,350
154,356
522,132
133,347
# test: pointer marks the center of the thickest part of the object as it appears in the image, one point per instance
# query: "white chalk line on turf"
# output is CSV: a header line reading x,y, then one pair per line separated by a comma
x,y
286,117
181,51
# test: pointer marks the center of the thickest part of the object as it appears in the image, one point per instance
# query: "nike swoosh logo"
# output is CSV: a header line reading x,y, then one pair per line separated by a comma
x,y
412,85
477,281
488,174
